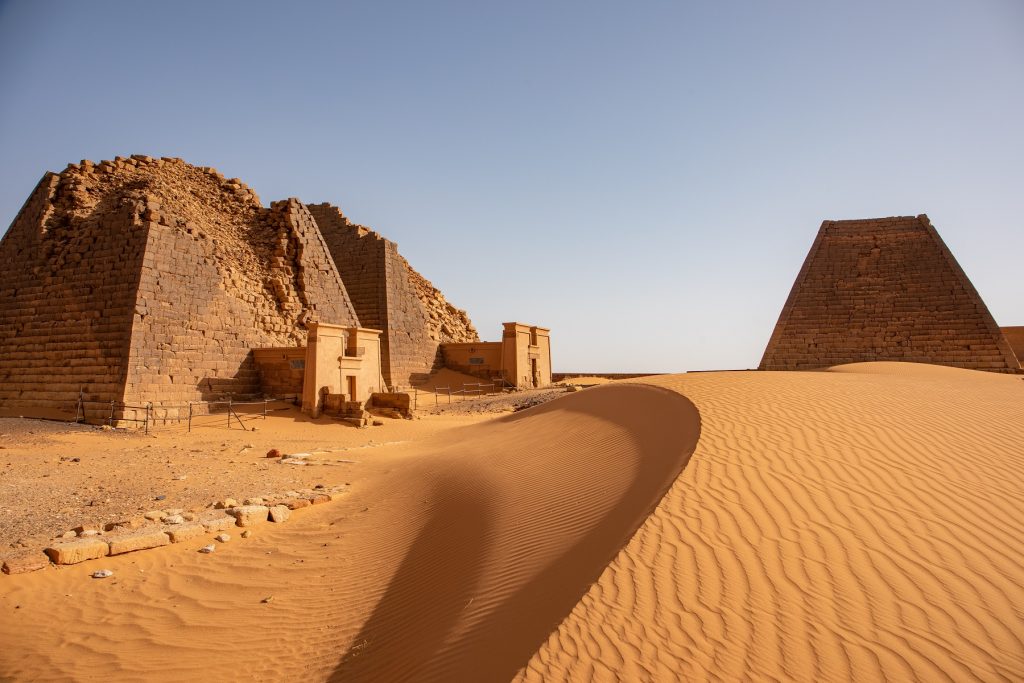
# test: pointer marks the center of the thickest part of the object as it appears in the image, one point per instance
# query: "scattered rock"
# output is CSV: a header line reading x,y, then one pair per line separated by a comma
x,y
181,477
102,574
207,548
88,532
273,453
173,511
378,423
73,552
69,534
154,515
296,503
246,533
279,513
267,599
223,538
319,498
190,516
253,501
141,540
226,503
160,498
249,515
174,519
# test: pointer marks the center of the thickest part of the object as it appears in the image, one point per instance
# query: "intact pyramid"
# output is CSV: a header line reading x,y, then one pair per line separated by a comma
x,y
885,289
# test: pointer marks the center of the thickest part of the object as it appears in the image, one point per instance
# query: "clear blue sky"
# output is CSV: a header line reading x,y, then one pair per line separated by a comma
x,y
643,177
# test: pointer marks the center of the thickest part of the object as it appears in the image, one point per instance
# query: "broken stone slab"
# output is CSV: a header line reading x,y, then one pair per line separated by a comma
x,y
225,504
22,563
174,519
185,532
73,552
154,515
297,503
141,540
280,513
319,498
123,524
249,515
219,524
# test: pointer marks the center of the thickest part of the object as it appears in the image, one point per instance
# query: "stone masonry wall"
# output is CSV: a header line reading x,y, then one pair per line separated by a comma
x,y
150,280
66,296
205,303
390,296
884,289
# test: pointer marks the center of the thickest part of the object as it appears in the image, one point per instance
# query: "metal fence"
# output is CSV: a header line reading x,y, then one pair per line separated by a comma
x,y
183,413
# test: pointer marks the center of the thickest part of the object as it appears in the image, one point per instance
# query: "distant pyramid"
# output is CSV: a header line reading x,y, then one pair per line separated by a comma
x,y
885,289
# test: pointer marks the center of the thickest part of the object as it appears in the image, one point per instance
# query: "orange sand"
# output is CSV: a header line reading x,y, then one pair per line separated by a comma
x,y
856,524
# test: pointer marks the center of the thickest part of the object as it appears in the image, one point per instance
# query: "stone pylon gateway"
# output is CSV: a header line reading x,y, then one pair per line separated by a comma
x,y
885,289
151,280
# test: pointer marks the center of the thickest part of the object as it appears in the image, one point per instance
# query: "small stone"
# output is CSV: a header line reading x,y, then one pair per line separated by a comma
x,y
173,511
378,423
267,599
279,513
88,532
174,519
226,503
181,477
207,548
160,498
273,453
253,501
246,533
102,574
319,498
223,538
296,503
69,534
154,515
189,516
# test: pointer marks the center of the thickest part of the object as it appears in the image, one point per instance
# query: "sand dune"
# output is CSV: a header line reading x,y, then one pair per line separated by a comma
x,y
455,565
857,524
860,524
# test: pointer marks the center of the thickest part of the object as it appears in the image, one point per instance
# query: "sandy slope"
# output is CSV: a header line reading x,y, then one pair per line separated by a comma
x,y
453,563
859,524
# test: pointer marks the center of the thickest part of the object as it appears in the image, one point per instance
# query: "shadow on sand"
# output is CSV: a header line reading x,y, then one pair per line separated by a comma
x,y
424,629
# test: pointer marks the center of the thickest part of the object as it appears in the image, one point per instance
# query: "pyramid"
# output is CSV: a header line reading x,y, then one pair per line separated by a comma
x,y
144,280
885,289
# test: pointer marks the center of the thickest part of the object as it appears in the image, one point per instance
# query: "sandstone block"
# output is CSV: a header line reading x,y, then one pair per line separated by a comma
x,y
279,513
218,524
297,503
249,515
22,563
319,498
73,552
124,524
141,540
185,532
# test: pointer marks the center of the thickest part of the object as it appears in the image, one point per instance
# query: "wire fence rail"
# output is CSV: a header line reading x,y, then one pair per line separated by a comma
x,y
118,411
468,390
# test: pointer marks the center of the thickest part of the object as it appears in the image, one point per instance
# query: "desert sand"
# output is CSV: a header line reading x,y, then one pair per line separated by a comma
x,y
856,524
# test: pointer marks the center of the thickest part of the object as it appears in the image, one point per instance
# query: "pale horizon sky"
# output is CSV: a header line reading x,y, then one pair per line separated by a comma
x,y
643,178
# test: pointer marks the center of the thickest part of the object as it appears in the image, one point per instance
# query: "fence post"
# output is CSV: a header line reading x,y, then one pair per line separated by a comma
x,y
229,412
149,409
190,416
264,408
110,421
449,394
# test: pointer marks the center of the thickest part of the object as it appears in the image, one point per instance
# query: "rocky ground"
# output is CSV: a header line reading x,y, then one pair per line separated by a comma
x,y
428,403
56,476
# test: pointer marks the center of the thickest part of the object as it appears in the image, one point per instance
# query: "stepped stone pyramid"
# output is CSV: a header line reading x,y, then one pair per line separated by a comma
x,y
885,289
151,280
